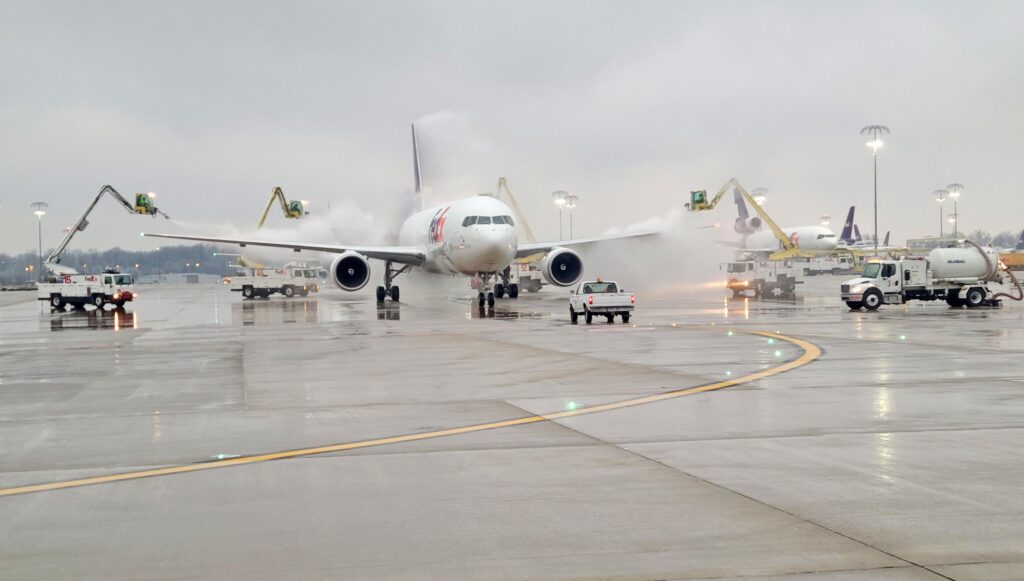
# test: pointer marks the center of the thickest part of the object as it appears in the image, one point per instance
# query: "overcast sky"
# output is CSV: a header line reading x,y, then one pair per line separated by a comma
x,y
628,104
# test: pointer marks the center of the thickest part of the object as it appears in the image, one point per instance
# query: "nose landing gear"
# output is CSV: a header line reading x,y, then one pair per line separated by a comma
x,y
488,297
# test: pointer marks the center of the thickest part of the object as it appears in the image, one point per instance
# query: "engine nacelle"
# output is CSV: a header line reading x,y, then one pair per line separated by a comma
x,y
350,271
562,267
747,225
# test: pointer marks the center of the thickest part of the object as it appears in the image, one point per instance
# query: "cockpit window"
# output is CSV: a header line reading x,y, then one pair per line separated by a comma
x,y
469,221
503,220
483,220
820,236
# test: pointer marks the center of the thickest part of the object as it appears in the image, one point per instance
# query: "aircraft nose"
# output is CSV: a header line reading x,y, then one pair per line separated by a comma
x,y
496,248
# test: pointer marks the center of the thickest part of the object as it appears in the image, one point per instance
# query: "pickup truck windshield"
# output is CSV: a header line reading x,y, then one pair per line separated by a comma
x,y
600,287
871,270
123,279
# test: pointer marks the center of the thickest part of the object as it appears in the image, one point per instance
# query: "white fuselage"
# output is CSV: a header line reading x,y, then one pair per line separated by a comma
x,y
463,237
806,237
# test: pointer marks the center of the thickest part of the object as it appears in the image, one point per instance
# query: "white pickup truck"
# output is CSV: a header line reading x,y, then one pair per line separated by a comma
x,y
79,290
597,297
288,281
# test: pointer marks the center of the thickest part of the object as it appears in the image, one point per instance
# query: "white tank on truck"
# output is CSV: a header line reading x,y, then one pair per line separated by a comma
x,y
961,264
961,275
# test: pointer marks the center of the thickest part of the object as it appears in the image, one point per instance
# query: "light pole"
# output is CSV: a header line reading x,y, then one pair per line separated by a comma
x,y
875,144
940,197
826,220
570,202
561,198
955,190
759,195
40,212
952,219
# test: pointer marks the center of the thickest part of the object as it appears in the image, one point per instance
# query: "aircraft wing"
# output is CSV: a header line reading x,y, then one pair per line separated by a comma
x,y
399,254
532,248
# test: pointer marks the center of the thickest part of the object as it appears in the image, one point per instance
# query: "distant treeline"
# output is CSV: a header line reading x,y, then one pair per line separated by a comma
x,y
198,258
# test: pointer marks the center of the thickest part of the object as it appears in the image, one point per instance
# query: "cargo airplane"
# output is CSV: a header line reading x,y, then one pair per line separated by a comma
x,y
474,237
807,238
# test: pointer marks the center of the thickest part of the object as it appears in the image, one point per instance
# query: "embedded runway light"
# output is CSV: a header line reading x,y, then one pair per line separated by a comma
x,y
778,353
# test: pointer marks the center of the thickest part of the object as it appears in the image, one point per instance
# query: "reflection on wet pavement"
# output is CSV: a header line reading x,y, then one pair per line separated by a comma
x,y
264,313
114,320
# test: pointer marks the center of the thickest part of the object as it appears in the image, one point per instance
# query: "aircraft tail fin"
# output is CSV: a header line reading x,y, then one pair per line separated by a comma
x,y
856,233
417,176
1020,241
414,200
847,235
886,241
741,206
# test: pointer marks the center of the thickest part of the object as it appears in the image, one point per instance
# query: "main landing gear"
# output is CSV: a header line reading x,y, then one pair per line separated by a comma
x,y
388,290
506,285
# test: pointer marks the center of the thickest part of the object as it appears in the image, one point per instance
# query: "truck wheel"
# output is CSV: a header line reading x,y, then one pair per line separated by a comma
x,y
304,293
573,315
625,317
954,301
872,299
854,305
288,291
499,290
98,301
588,316
611,318
975,297
57,302
247,292
758,290
513,291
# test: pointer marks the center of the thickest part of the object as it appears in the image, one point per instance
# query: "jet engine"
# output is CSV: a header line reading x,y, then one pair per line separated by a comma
x,y
350,271
562,267
747,225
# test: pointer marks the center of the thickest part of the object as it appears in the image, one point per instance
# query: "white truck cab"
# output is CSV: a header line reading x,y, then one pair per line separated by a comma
x,y
603,298
78,290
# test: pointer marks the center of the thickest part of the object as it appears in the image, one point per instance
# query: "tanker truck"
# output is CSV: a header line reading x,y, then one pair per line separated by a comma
x,y
961,276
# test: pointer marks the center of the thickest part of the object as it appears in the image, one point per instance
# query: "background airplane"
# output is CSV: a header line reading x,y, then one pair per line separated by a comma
x,y
808,238
474,237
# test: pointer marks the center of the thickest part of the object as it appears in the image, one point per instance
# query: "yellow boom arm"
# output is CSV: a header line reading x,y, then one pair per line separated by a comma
x,y
699,202
291,209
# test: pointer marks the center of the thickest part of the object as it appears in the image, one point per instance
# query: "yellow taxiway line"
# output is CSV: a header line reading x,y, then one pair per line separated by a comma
x,y
810,353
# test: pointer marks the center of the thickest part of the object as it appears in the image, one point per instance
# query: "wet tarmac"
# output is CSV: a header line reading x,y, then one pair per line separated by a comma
x,y
198,435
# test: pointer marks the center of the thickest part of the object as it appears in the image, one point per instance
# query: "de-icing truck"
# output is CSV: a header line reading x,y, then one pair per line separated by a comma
x,y
961,276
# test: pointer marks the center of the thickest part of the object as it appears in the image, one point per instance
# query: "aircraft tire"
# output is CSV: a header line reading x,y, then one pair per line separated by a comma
x,y
380,294
490,299
499,290
513,291
394,293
